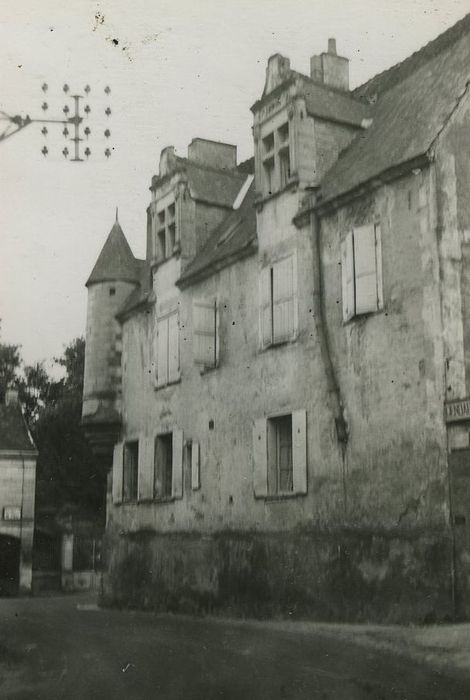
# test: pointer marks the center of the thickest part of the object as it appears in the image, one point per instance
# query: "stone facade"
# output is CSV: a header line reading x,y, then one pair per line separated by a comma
x,y
285,374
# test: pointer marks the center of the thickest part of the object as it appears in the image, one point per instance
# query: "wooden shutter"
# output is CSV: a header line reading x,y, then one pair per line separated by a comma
x,y
173,348
177,465
204,332
117,472
266,323
283,300
146,467
162,351
195,467
299,451
260,458
347,277
378,260
365,268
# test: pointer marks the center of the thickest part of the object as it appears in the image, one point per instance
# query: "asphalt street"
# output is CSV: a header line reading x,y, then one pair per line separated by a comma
x,y
65,647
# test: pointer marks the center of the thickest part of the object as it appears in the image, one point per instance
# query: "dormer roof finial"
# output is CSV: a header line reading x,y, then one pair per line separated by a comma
x,y
117,221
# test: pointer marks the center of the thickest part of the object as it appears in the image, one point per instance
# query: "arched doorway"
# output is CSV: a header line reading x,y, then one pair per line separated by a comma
x,y
9,565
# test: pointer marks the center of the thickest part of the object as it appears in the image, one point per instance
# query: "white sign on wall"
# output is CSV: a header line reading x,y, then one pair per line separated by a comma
x,y
12,513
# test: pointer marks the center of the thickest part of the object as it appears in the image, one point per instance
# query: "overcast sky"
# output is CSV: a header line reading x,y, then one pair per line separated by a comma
x,y
177,69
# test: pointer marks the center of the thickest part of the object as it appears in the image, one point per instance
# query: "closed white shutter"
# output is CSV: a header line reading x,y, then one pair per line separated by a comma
x,y
266,323
283,300
299,451
347,276
378,259
204,332
146,473
365,267
162,351
117,472
195,467
173,348
260,458
177,465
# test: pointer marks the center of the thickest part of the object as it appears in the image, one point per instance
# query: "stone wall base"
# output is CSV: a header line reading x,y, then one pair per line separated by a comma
x,y
348,575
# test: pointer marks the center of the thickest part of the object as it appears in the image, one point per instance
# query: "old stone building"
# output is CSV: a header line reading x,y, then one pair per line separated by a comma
x,y
18,456
279,388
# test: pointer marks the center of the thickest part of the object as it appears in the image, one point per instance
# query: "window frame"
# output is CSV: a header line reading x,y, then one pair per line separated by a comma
x,y
263,439
165,441
268,277
198,329
127,446
164,317
350,275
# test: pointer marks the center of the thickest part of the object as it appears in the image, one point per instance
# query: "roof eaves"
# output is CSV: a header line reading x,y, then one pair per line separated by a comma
x,y
247,249
336,201
140,305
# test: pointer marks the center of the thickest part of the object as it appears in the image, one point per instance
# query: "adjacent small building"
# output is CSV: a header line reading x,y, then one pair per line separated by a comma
x,y
280,388
18,456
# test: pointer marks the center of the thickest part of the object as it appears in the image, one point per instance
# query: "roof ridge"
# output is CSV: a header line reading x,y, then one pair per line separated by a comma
x,y
233,172
403,69
349,94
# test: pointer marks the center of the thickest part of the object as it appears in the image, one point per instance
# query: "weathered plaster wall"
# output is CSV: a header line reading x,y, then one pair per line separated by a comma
x,y
376,519
248,384
325,574
453,199
389,364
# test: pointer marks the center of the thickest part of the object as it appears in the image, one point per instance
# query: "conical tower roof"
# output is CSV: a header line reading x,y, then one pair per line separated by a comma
x,y
116,261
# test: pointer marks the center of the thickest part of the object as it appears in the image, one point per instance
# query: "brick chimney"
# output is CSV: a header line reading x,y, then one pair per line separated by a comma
x,y
222,156
330,69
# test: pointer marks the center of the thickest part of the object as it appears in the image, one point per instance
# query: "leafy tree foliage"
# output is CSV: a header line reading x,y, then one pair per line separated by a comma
x,y
68,477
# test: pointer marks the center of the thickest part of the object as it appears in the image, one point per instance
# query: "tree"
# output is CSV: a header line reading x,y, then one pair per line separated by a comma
x,y
10,364
68,477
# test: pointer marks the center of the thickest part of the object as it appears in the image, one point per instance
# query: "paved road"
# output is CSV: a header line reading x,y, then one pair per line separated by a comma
x,y
50,648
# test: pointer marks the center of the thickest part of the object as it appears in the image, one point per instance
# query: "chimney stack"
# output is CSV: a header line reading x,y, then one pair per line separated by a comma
x,y
330,69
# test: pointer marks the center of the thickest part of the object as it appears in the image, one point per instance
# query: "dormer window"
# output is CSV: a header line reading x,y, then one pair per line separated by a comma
x,y
166,232
275,153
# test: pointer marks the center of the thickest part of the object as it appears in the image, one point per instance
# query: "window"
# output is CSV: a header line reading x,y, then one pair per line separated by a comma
x,y
284,166
280,455
361,271
130,471
280,471
205,341
268,166
278,302
275,153
168,369
163,466
168,465
166,232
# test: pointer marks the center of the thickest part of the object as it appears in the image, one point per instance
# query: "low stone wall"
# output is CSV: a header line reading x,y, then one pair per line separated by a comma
x,y
349,575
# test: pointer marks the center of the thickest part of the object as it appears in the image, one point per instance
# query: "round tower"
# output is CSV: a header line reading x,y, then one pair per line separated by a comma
x,y
114,277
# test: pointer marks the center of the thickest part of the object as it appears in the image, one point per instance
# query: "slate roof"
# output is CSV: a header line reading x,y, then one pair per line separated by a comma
x,y
235,236
212,185
141,294
414,100
14,435
325,102
116,260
